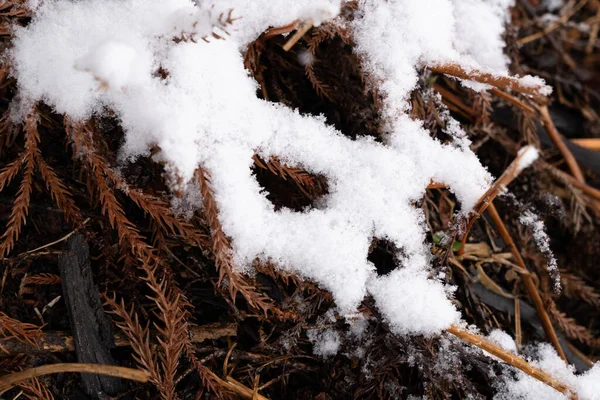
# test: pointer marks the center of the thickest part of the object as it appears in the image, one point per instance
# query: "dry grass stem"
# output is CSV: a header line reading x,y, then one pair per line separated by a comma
x,y
499,81
511,359
10,380
560,144
527,280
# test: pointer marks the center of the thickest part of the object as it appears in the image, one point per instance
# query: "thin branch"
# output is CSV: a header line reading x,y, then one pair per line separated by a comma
x,y
527,280
10,380
499,81
511,359
499,186
560,144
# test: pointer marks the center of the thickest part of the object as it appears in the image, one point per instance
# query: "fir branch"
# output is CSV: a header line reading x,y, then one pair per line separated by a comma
x,y
9,172
59,192
221,250
41,279
35,390
575,287
24,332
20,208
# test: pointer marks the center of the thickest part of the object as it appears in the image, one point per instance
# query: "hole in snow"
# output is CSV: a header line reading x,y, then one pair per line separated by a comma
x,y
328,82
384,255
288,186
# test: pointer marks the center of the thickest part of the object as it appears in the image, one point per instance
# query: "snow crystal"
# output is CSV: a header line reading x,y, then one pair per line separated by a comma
x,y
542,240
83,57
524,387
326,343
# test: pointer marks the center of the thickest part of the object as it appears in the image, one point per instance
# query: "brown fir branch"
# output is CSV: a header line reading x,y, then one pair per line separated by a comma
x,y
570,326
322,90
305,182
129,235
169,301
209,382
174,332
11,328
575,287
20,208
35,390
221,250
42,279
59,192
161,213
9,172
138,336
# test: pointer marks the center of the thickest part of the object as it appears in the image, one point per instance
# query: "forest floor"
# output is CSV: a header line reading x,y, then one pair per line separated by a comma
x,y
96,240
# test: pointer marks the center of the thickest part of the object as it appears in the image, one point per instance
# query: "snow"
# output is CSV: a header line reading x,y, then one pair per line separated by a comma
x,y
86,56
527,156
326,342
319,13
502,339
524,387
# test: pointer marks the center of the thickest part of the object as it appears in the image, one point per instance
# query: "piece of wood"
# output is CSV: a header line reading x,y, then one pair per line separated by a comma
x,y
92,329
60,341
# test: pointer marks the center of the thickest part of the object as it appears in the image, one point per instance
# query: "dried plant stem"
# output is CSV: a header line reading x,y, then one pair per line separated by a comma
x,y
280,30
10,380
527,280
237,387
588,143
509,174
60,341
499,81
513,100
511,359
303,27
560,144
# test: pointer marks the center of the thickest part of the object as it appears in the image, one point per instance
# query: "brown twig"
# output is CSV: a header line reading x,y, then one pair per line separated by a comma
x,y
499,81
513,170
59,341
513,100
511,359
303,27
10,380
560,144
527,280
588,143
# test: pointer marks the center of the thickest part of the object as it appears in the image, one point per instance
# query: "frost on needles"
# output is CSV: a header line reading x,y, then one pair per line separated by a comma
x,y
85,57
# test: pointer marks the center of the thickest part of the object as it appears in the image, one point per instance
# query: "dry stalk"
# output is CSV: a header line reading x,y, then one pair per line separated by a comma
x,y
588,143
499,81
499,186
10,380
61,341
513,100
560,144
511,359
527,280
303,27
